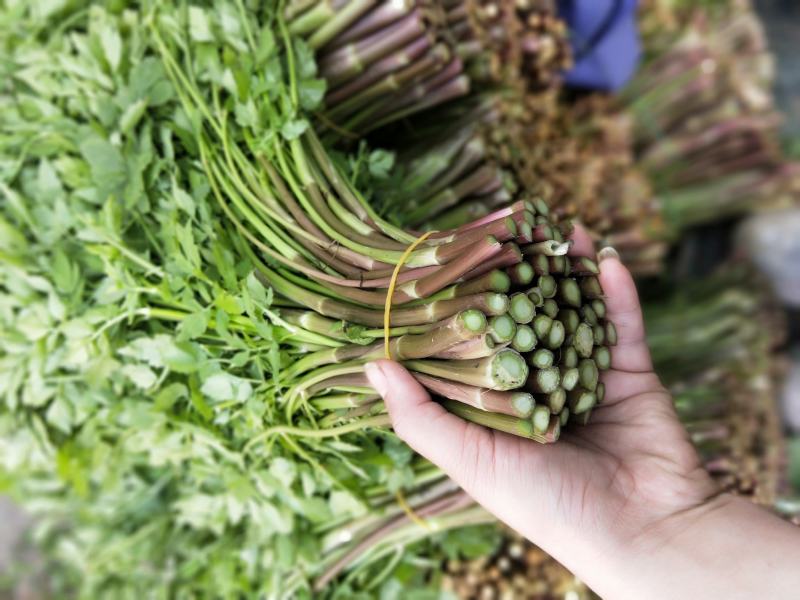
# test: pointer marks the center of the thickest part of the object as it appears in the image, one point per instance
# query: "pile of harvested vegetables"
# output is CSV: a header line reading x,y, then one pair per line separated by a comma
x,y
213,215
193,281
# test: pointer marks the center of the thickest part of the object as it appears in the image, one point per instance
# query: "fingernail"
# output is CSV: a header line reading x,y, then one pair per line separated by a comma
x,y
607,252
376,377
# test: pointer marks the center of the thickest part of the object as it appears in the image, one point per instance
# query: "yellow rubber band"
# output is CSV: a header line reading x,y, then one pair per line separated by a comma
x,y
415,518
387,309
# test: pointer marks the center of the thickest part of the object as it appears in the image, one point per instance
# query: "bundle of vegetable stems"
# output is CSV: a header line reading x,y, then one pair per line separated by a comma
x,y
697,126
450,175
494,315
704,125
465,158
727,402
577,155
387,61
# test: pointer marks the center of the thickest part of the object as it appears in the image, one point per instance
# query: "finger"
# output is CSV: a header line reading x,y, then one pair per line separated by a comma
x,y
582,244
624,311
426,426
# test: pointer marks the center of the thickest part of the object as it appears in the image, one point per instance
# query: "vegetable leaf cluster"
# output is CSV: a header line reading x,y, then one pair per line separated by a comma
x,y
139,355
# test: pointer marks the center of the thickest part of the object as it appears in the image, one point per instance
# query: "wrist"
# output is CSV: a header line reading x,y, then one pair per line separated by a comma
x,y
640,561
721,548
682,525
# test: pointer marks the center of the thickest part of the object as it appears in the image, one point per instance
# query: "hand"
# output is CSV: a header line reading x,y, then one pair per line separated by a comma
x,y
626,482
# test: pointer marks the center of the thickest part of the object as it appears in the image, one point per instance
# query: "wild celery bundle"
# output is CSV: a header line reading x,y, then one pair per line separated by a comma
x,y
692,140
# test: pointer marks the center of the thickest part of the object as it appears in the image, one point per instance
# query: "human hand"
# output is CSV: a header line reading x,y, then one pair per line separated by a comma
x,y
601,487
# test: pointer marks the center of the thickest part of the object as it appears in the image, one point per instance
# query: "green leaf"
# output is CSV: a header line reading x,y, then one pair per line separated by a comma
x,y
284,471
261,295
193,326
111,42
168,396
109,171
398,451
148,81
185,236
240,359
229,304
59,414
345,504
315,510
202,511
223,386
471,542
132,116
183,200
162,351
266,46
197,400
304,60
199,25
182,357
66,275
247,114
293,129
311,92
140,375
146,349
271,519
231,27
381,163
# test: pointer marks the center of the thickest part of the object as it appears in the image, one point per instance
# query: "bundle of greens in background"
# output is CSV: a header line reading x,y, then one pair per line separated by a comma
x,y
705,124
701,125
640,169
194,270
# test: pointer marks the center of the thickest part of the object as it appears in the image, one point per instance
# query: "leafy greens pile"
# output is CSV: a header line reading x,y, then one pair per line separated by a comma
x,y
138,356
146,345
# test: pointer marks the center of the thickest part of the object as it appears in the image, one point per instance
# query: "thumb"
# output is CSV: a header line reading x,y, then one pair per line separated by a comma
x,y
451,443
631,353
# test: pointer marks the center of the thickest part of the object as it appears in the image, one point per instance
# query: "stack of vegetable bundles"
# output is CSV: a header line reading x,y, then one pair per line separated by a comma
x,y
705,127
193,279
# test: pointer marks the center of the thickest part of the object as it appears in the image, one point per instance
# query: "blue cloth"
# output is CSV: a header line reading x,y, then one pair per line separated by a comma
x,y
605,42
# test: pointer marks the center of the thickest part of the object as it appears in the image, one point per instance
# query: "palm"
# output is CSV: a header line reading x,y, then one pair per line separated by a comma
x,y
634,458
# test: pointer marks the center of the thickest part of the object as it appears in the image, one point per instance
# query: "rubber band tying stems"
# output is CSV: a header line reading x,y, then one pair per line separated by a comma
x,y
387,310
415,518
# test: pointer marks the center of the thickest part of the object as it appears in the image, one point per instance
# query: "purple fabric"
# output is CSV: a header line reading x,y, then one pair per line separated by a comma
x,y
605,41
